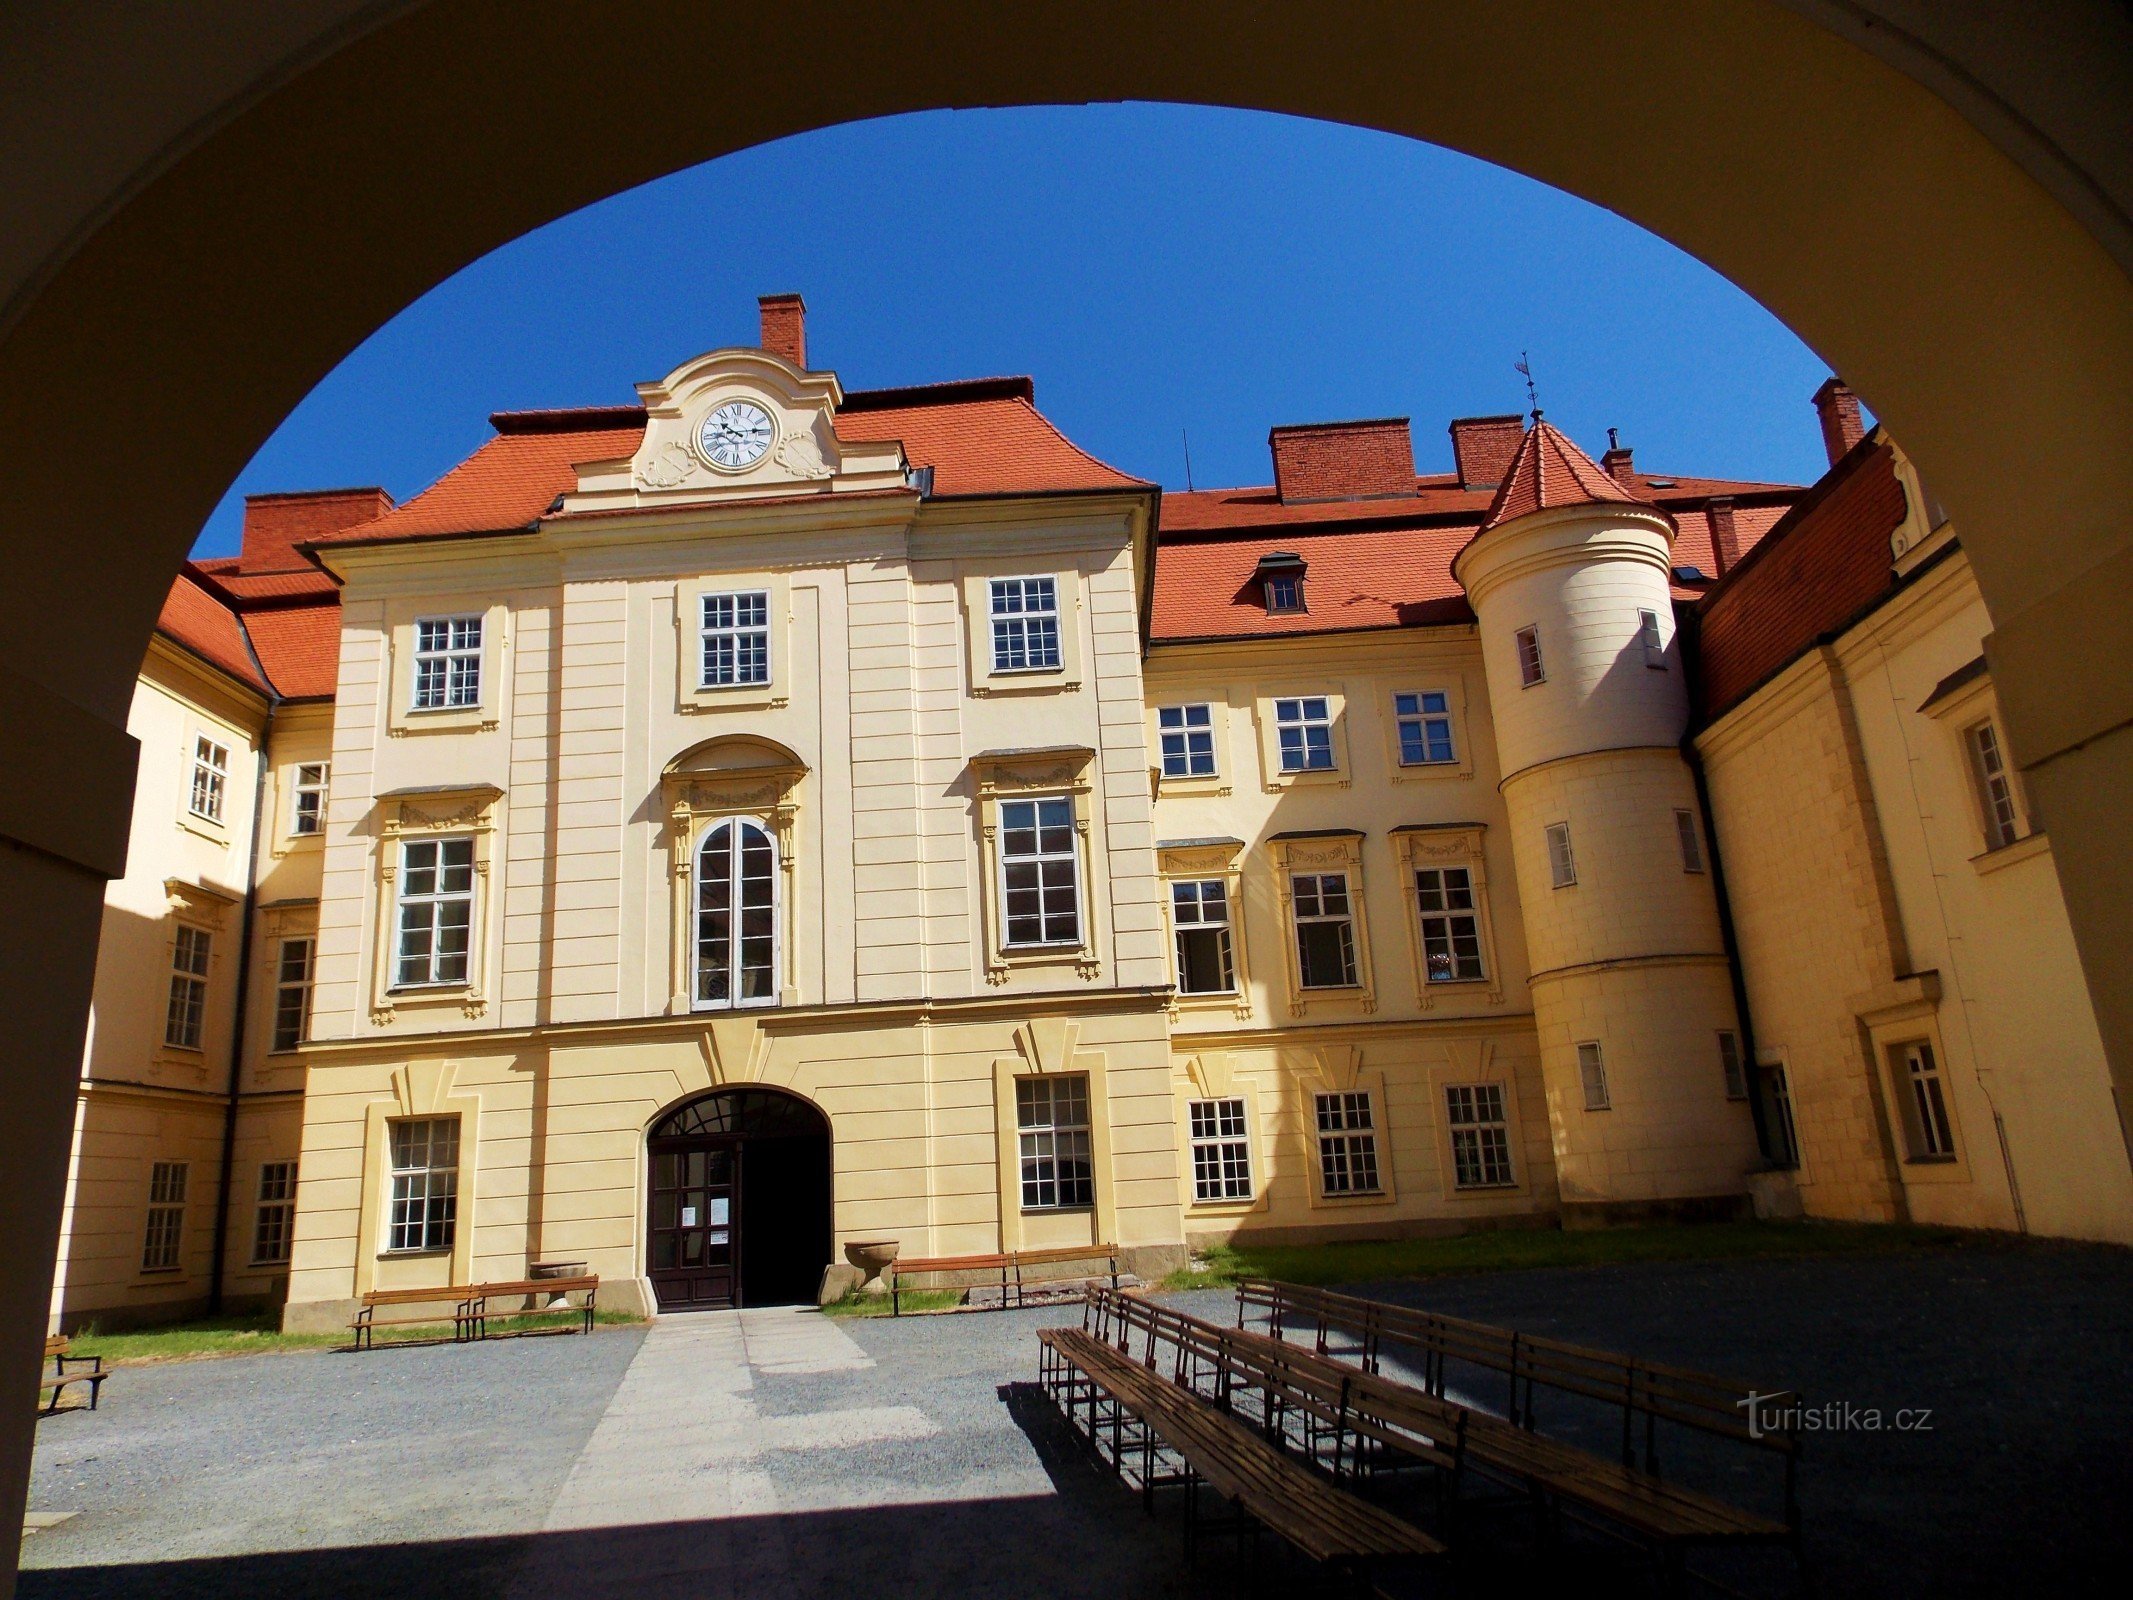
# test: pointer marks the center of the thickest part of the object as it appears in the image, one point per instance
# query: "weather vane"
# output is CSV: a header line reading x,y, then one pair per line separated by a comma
x,y
1524,365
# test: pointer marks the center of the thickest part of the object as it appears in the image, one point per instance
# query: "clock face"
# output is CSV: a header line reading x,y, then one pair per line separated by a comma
x,y
735,436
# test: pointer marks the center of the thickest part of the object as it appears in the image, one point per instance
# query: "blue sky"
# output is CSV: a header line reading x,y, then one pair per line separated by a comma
x,y
1161,271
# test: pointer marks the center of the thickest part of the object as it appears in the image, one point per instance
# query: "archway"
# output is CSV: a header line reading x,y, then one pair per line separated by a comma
x,y
737,1203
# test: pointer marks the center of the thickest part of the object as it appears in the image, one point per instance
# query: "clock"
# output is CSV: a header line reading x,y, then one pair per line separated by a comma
x,y
735,436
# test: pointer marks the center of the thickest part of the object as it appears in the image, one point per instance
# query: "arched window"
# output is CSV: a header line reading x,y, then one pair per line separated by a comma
x,y
736,917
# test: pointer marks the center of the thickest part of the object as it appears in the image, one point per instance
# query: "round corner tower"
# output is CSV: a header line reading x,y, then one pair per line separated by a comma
x,y
1569,577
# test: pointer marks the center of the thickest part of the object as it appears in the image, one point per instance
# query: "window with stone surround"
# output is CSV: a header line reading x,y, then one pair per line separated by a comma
x,y
1691,845
1052,1130
1347,1143
1424,723
1040,872
425,1184
1995,787
1450,924
737,929
1930,1129
1481,1137
1325,930
1562,864
1188,740
1221,1151
1025,625
735,639
447,663
211,778
274,1220
1200,916
1592,1075
184,1019
1304,728
307,799
163,1245
1530,669
436,912
292,994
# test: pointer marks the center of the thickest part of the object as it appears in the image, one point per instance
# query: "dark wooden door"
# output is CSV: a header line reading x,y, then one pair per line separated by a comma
x,y
695,1222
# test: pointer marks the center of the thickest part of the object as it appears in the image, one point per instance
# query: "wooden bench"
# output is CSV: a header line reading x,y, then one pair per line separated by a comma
x,y
50,1386
1011,1266
479,1311
367,1320
1120,1397
470,1306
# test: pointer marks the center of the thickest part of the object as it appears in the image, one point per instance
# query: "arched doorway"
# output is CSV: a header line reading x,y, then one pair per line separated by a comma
x,y
737,1206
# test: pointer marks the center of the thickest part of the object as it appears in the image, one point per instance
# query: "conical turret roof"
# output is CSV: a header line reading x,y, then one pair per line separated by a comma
x,y
1551,471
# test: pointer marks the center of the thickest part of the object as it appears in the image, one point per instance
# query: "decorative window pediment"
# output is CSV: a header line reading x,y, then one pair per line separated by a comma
x,y
1444,884
741,776
451,829
1007,782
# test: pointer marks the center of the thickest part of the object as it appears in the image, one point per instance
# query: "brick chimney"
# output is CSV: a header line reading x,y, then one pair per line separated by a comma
x,y
1838,408
785,327
1618,463
275,524
1725,538
1485,447
1343,461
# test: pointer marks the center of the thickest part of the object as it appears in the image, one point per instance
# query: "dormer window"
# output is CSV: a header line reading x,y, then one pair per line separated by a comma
x,y
1281,582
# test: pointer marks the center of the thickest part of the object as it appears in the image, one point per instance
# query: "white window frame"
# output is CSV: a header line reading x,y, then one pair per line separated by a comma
x,y
1294,713
1480,1128
1592,1075
1344,1122
192,955
733,639
1925,1088
1042,859
1690,841
1732,1064
1562,857
1777,1086
1448,917
423,1191
1344,919
1424,718
735,879
292,993
163,1238
1219,1139
1187,740
1532,668
1023,628
211,779
1189,903
1654,642
1282,593
274,1217
437,900
447,669
1994,785
1050,1141
307,799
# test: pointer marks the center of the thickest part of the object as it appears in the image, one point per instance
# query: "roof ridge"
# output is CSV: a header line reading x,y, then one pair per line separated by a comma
x,y
950,391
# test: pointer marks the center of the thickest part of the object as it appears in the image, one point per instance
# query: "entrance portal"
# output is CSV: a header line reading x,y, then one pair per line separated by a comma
x,y
739,1208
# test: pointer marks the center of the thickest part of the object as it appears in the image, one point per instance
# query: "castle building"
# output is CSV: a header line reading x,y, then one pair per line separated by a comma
x,y
692,836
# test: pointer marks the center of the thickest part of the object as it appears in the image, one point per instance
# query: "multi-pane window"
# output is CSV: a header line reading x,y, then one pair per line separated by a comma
x,y
160,1248
1025,625
1304,728
736,917
1481,1139
1530,670
1052,1121
1994,787
1784,1136
1562,865
1200,913
1451,927
1425,724
425,1183
274,1223
1347,1144
307,813
292,993
1648,634
1221,1151
436,911
211,778
1730,1063
187,1013
736,638
1325,930
1284,591
1188,736
1592,1073
1040,871
447,663
1932,1135
1691,846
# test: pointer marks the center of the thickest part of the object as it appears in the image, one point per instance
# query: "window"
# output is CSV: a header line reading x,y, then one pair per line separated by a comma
x,y
1932,1136
166,1217
1305,729
436,911
1040,872
447,663
1347,1144
1451,930
1425,724
182,1023
1654,645
1730,1063
1052,1116
736,917
1325,930
1188,736
1995,788
1592,1072
1530,670
1200,912
1025,625
1284,591
1221,1153
1481,1139
1778,1128
736,638
292,994
1562,865
211,778
1691,846
425,1192
308,803
274,1225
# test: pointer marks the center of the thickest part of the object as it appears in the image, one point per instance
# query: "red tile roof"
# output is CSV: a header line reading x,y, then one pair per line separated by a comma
x,y
986,445
1354,578
507,483
1550,471
300,646
195,616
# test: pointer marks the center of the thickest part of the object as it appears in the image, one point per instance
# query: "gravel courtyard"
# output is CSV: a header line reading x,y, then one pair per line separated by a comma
x,y
775,1452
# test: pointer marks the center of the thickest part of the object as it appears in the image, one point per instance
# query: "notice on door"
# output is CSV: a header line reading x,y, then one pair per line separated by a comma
x,y
688,1216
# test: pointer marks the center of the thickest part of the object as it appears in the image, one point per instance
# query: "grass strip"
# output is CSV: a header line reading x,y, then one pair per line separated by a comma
x,y
260,1334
